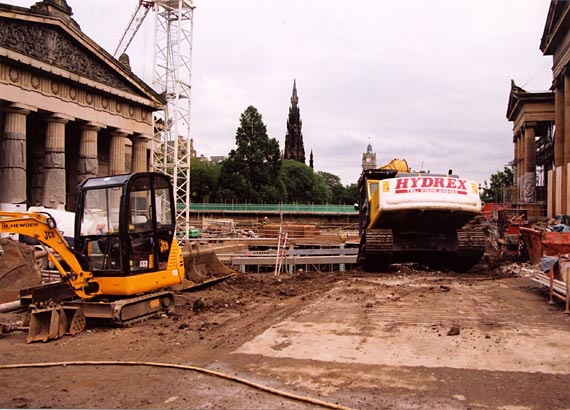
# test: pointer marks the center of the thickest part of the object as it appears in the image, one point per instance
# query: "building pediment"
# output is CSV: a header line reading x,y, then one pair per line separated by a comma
x,y
522,100
514,97
45,38
556,27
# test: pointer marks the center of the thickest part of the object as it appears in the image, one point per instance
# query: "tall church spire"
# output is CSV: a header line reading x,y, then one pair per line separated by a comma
x,y
294,147
294,97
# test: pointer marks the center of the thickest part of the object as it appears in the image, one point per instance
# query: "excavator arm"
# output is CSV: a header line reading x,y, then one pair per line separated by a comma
x,y
42,227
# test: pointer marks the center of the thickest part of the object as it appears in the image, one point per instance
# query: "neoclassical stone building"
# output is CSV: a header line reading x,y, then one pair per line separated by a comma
x,y
68,109
555,42
532,114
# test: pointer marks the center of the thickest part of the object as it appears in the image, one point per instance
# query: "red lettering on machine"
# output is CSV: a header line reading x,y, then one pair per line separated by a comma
x,y
438,185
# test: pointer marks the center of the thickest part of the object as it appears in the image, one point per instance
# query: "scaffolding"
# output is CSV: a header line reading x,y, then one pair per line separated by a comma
x,y
172,75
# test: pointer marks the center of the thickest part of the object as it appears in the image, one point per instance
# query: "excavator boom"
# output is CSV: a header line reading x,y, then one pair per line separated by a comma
x,y
42,227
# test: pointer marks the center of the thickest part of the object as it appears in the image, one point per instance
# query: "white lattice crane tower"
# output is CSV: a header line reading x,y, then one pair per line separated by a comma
x,y
172,74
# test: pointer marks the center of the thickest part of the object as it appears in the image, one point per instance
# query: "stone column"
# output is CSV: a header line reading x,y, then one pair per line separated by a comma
x,y
559,123
566,141
88,164
117,153
551,197
54,192
558,145
520,166
529,178
515,158
13,159
140,143
37,177
515,161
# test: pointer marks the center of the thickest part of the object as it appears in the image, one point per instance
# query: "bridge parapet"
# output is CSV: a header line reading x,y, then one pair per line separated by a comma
x,y
274,208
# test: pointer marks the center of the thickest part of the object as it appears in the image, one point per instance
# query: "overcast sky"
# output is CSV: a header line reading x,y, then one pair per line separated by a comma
x,y
427,81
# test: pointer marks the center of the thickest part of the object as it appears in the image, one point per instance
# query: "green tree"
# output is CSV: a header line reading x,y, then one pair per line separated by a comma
x,y
340,194
329,179
302,184
204,180
251,171
348,196
500,184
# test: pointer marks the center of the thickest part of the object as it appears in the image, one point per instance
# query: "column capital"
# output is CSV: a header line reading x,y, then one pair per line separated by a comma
x,y
120,132
59,118
140,137
85,127
17,108
530,124
94,126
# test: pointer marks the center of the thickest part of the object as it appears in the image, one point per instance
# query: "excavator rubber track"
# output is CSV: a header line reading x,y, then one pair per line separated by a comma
x,y
129,310
376,250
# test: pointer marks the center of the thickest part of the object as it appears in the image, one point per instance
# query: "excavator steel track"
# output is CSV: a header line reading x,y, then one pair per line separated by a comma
x,y
470,248
375,254
470,239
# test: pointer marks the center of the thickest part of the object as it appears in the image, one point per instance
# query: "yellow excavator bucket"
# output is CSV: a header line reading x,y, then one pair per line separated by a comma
x,y
55,321
400,165
201,264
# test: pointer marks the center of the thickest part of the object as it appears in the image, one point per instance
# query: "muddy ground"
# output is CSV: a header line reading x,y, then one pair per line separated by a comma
x,y
408,339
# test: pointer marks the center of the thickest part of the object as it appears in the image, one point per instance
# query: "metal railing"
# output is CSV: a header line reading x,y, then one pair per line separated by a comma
x,y
287,208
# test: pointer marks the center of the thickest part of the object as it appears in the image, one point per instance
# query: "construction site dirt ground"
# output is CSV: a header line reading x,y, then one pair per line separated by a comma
x,y
408,339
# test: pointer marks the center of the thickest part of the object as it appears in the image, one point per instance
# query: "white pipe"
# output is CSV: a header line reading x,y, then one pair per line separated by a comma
x,y
10,306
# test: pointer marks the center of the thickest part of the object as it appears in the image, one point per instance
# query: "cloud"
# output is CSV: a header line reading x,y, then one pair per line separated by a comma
x,y
427,81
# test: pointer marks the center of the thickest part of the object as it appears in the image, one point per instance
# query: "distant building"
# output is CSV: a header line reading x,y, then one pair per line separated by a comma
x,y
294,147
532,115
369,158
216,159
182,147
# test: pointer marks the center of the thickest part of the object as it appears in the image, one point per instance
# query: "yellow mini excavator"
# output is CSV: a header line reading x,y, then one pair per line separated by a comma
x,y
125,251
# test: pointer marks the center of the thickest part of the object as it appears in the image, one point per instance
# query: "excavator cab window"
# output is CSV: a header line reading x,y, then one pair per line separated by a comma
x,y
99,228
125,223
372,188
151,223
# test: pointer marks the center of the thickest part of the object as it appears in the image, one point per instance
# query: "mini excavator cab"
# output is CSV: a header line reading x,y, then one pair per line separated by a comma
x,y
125,229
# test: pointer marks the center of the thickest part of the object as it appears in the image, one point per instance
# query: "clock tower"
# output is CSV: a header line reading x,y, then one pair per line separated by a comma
x,y
369,158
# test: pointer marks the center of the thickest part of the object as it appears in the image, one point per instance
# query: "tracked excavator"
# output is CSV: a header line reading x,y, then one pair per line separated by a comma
x,y
418,217
125,254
